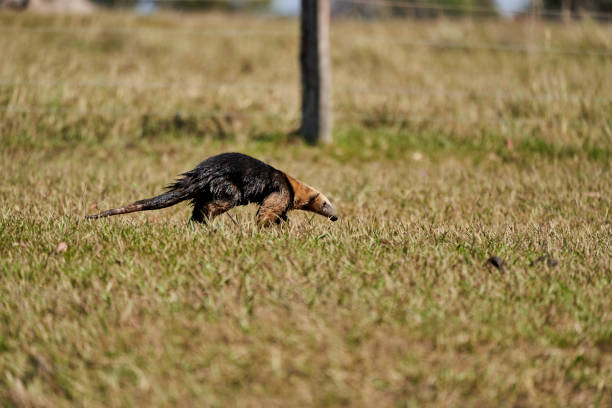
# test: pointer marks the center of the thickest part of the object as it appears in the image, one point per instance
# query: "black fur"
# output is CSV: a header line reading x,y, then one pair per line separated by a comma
x,y
227,180
232,176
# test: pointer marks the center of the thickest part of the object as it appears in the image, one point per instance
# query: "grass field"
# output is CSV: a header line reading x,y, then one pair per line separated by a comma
x,y
444,157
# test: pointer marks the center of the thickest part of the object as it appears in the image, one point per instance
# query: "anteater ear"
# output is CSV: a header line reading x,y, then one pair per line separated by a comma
x,y
312,198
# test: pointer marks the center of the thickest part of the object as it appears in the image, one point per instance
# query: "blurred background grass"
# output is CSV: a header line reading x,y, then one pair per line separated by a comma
x,y
115,77
455,140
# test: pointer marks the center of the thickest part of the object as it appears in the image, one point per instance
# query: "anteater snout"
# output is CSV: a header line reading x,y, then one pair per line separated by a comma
x,y
330,213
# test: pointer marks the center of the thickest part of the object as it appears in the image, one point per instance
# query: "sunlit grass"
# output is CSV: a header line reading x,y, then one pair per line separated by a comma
x,y
393,305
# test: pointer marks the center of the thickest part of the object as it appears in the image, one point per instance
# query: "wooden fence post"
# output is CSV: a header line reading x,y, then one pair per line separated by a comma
x,y
316,72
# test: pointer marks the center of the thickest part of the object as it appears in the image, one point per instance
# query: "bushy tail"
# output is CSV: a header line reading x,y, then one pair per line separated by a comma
x,y
161,201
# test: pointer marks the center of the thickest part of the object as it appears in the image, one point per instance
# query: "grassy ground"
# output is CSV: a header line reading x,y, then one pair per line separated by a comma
x,y
443,158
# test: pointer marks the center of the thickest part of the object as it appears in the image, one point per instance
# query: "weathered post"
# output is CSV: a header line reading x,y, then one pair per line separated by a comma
x,y
566,11
316,72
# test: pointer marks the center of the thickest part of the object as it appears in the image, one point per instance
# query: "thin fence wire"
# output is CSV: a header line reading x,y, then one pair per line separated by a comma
x,y
504,48
144,30
499,48
416,5
471,93
100,83
467,10
364,116
437,45
114,112
399,91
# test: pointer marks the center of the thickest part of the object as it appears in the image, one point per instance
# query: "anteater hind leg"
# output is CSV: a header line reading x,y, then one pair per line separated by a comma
x,y
219,207
205,209
200,212
274,208
204,212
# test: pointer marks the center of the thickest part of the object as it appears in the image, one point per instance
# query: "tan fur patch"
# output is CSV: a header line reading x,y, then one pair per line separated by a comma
x,y
316,204
273,208
308,199
302,193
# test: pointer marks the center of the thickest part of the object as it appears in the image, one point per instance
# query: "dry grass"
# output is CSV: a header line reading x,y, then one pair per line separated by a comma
x,y
392,305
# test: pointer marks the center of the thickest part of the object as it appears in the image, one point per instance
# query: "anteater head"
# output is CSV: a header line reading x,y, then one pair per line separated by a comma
x,y
308,199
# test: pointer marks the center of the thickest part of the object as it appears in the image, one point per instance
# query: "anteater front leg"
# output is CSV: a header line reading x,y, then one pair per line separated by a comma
x,y
274,208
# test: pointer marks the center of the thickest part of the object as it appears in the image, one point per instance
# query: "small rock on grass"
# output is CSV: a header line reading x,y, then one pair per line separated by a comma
x,y
496,262
61,247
